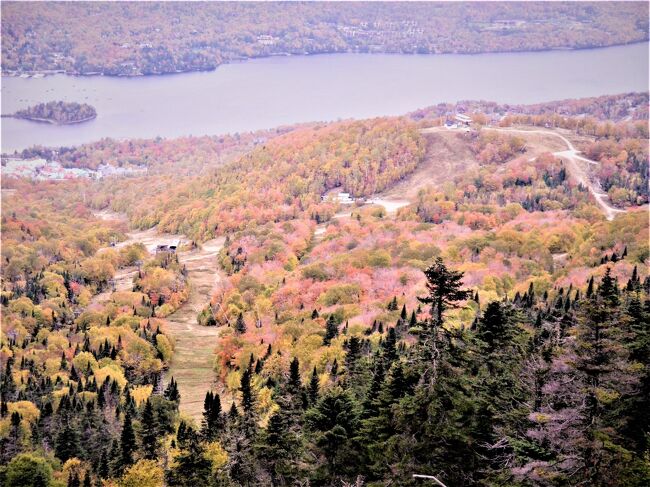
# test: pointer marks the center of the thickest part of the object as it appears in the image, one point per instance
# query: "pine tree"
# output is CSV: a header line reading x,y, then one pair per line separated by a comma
x,y
608,288
11,445
216,415
588,396
212,422
637,420
313,387
149,432
240,325
294,383
8,386
378,424
352,356
67,443
389,353
103,469
171,392
444,288
590,287
334,370
276,448
191,467
248,400
493,326
370,406
413,322
127,442
334,424
331,331
205,422
115,460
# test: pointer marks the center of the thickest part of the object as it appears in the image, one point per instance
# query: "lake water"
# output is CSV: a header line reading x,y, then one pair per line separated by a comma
x,y
265,93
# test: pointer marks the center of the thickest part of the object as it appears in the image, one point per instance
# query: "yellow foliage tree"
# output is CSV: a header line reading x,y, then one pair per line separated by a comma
x,y
216,454
84,360
145,473
141,393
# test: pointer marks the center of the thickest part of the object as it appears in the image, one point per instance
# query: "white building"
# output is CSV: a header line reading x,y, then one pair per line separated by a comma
x,y
341,198
463,119
344,198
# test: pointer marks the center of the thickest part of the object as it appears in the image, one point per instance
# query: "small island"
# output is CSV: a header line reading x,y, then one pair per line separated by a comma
x,y
57,112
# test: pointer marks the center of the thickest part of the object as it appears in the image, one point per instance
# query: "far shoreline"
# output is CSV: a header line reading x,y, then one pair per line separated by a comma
x,y
51,72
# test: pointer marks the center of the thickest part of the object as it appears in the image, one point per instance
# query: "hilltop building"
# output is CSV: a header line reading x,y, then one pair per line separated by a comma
x,y
463,120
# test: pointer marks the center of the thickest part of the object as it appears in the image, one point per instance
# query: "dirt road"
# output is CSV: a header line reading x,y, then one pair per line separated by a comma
x,y
122,281
575,169
193,360
575,162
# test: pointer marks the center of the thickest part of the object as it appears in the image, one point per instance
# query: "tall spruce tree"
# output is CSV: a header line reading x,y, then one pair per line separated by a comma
x,y
444,288
333,424
331,330
240,325
67,443
128,444
150,431
314,383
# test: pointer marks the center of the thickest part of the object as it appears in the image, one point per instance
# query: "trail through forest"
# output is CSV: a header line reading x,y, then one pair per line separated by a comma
x,y
575,162
192,364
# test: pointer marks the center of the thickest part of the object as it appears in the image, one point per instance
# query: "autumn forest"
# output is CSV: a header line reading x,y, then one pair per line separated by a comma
x,y
459,293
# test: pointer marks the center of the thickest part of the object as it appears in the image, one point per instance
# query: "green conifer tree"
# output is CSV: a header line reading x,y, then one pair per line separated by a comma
x,y
128,444
331,331
150,430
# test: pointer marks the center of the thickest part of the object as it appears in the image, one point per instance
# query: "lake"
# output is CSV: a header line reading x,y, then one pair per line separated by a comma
x,y
264,93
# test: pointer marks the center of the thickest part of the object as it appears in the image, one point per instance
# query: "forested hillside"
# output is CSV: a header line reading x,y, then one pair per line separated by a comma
x,y
491,331
131,38
282,179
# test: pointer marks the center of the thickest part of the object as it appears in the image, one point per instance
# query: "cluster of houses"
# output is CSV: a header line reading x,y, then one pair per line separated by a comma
x,y
267,40
41,169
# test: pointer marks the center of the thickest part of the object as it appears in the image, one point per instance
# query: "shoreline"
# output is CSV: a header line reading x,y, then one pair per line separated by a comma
x,y
48,72
49,121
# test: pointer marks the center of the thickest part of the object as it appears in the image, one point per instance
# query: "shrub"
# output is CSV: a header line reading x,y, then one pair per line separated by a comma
x,y
27,470
341,294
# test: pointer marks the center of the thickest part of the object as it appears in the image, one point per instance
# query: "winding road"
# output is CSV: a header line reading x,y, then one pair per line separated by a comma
x,y
571,155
